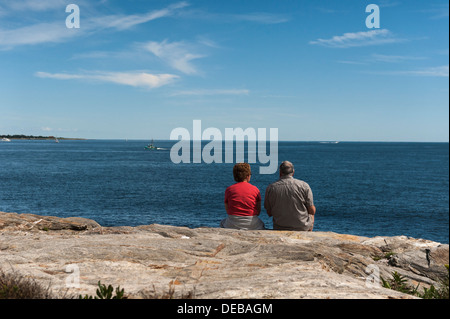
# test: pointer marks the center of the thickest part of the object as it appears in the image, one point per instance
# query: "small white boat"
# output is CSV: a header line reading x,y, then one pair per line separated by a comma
x,y
6,139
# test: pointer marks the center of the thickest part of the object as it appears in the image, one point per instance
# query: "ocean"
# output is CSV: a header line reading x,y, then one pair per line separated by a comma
x,y
361,188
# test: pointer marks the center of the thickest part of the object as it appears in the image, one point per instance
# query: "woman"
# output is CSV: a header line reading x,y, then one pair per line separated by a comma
x,y
242,201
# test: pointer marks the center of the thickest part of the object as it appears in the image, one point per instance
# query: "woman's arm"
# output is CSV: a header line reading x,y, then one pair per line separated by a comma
x,y
258,207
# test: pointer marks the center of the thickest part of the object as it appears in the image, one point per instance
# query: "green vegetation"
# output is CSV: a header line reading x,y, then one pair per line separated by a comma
x,y
170,294
26,137
104,292
385,256
33,137
399,283
15,286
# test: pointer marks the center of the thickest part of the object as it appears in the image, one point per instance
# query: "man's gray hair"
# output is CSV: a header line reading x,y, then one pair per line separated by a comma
x,y
286,168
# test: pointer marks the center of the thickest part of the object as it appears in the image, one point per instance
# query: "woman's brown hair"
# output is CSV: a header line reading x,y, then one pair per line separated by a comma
x,y
241,171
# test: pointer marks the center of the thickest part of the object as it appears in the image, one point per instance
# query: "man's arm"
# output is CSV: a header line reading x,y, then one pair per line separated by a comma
x,y
226,207
266,203
312,212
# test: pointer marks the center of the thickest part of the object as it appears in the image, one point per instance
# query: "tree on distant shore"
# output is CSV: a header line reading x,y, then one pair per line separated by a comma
x,y
22,136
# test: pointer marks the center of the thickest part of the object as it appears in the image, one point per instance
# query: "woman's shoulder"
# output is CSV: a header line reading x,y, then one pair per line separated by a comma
x,y
252,187
242,185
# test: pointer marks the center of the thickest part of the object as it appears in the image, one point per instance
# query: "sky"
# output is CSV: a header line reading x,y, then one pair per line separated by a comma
x,y
317,70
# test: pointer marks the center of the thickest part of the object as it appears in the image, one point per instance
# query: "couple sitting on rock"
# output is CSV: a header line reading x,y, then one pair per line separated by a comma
x,y
289,201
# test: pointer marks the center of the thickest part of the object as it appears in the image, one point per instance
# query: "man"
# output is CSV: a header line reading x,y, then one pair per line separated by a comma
x,y
290,201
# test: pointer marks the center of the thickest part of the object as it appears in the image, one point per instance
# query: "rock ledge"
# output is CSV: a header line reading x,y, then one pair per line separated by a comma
x,y
73,254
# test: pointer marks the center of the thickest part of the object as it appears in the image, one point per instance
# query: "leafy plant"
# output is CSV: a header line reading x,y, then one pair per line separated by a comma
x,y
104,292
387,255
399,283
430,293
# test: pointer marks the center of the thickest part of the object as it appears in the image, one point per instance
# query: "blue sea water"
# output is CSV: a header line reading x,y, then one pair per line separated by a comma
x,y
367,189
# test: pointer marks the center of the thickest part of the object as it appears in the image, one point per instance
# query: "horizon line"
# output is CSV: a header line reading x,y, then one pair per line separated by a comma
x,y
209,140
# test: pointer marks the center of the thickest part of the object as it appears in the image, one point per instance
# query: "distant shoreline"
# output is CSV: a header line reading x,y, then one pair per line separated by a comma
x,y
32,137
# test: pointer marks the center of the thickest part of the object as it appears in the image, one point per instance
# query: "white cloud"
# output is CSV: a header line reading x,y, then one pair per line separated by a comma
x,y
440,71
58,76
34,5
253,17
437,11
383,58
214,92
388,4
36,34
176,54
49,129
352,62
262,17
51,32
394,58
123,22
136,79
358,39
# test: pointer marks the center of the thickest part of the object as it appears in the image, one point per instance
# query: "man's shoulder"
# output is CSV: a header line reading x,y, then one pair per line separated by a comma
x,y
277,184
289,181
302,185
274,184
300,182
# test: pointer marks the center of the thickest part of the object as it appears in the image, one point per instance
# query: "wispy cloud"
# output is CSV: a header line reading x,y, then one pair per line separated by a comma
x,y
437,11
382,58
387,3
358,39
175,54
33,5
123,22
440,71
262,17
135,79
213,92
36,34
352,62
53,32
50,129
394,58
252,17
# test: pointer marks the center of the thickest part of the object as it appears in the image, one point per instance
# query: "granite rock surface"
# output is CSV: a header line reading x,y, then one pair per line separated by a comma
x,y
73,254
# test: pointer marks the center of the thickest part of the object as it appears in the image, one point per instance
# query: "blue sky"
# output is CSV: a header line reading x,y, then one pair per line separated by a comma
x,y
138,69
